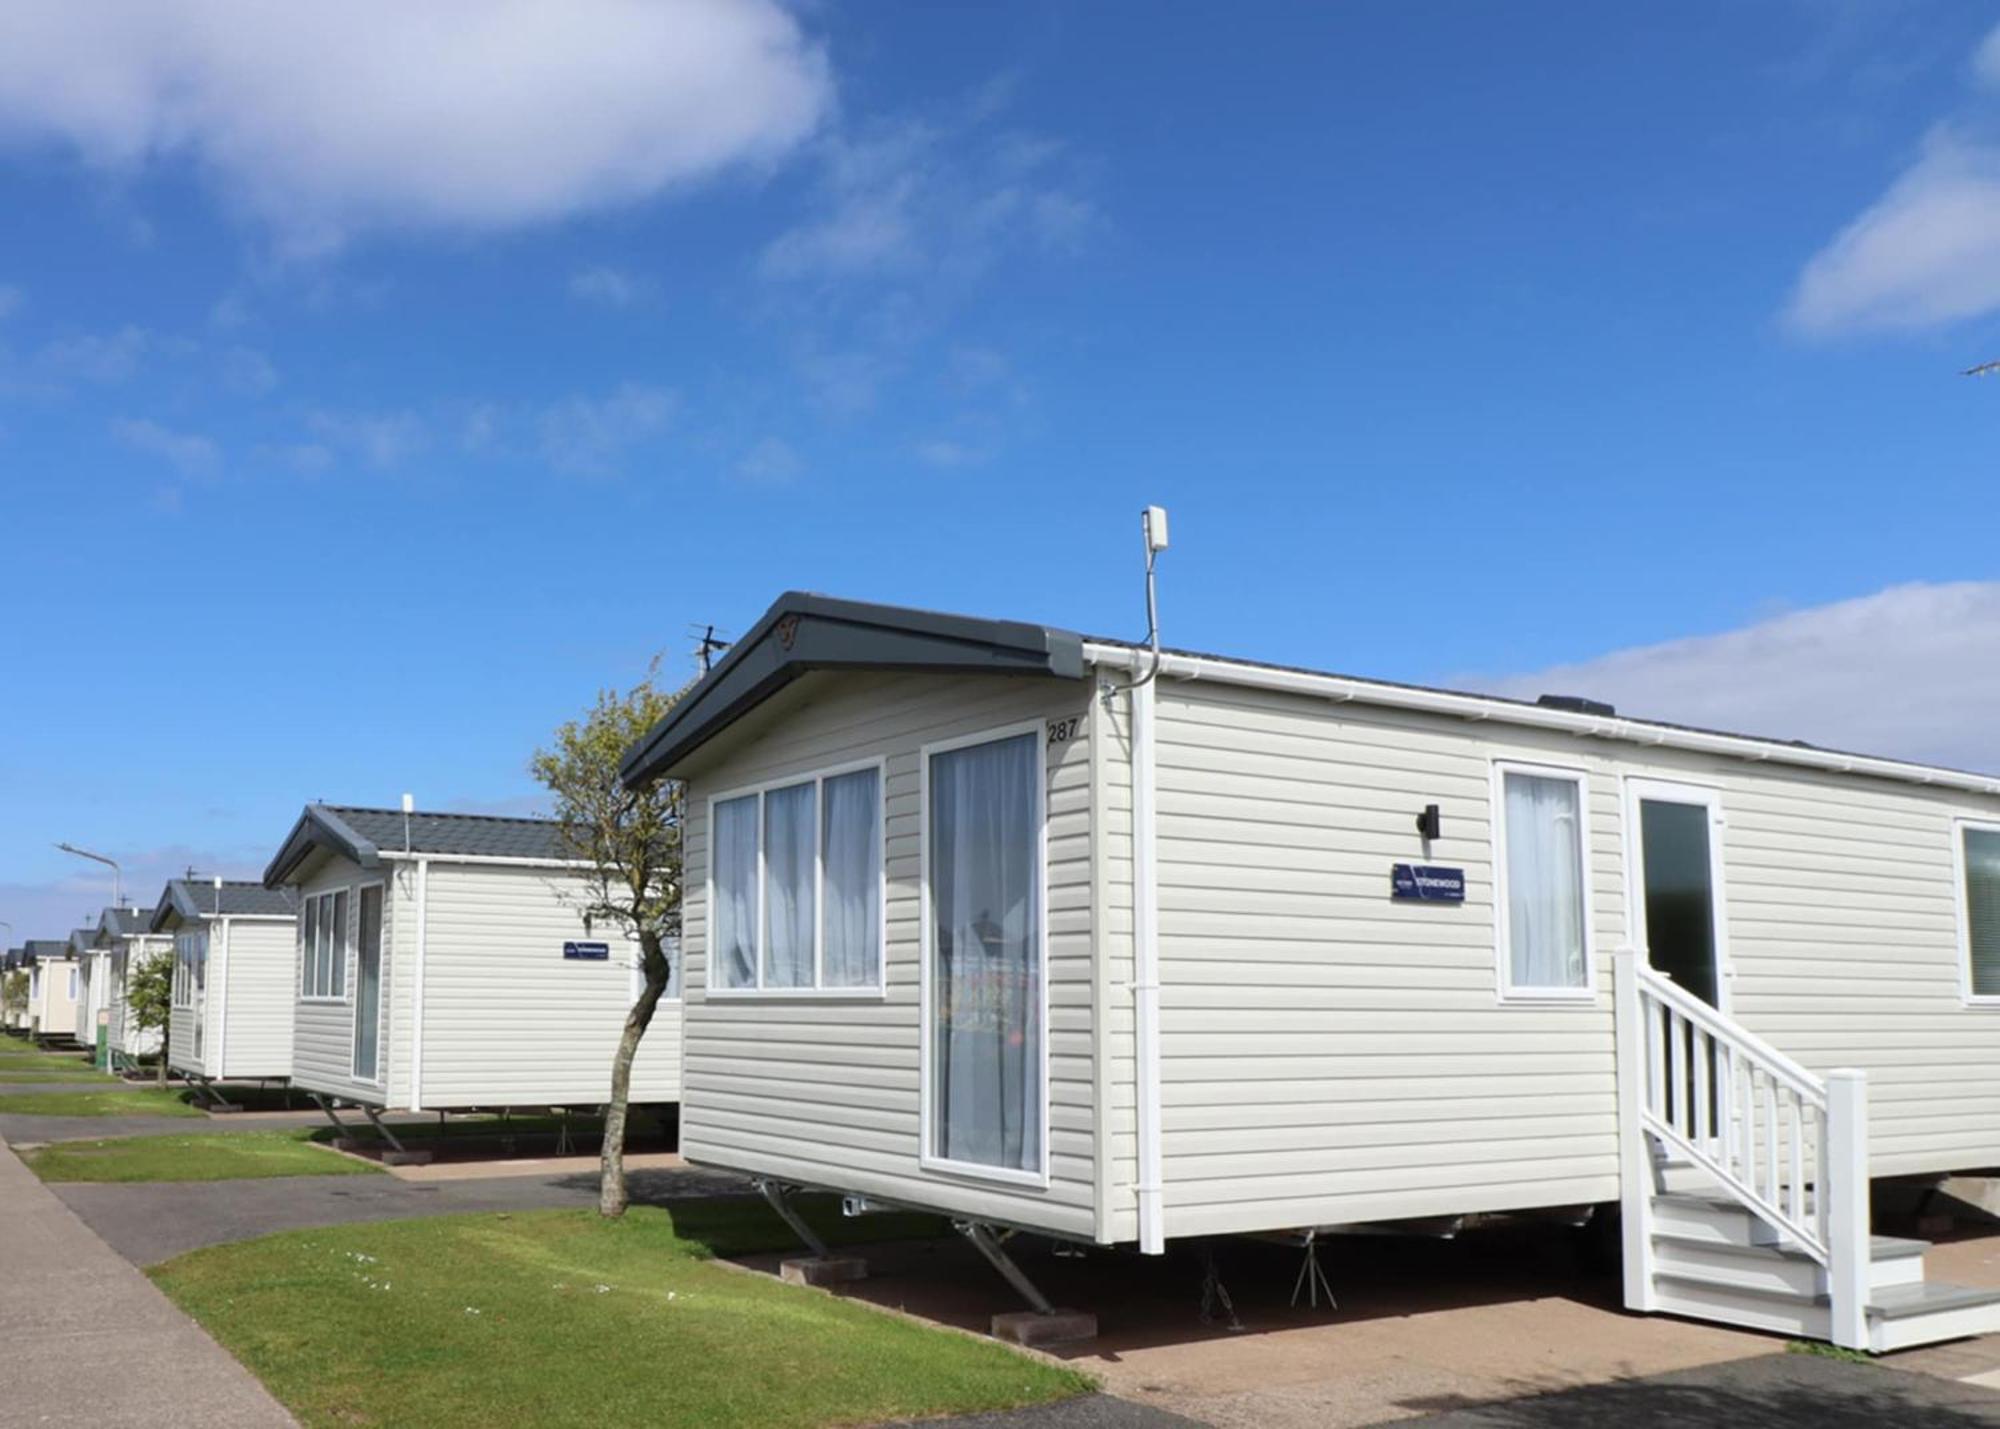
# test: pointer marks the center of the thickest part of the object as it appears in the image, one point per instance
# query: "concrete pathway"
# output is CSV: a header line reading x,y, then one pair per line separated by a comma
x,y
68,1300
1778,1391
155,1221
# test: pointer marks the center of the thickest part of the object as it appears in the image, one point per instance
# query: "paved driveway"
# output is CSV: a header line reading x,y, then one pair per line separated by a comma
x,y
154,1221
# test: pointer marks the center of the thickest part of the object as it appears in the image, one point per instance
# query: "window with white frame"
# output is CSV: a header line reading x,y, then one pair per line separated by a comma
x,y
190,966
1979,854
796,886
74,983
323,946
1543,916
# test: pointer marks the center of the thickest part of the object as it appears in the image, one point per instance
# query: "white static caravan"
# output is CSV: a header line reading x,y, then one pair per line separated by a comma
x,y
126,934
93,979
1177,946
52,989
232,997
446,965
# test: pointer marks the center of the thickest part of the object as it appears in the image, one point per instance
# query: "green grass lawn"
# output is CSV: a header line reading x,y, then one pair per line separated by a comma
x,y
24,1063
52,1074
125,1101
203,1156
560,1318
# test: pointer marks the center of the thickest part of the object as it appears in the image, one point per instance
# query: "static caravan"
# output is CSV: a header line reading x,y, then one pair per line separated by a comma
x,y
15,961
52,979
127,934
232,998
1121,946
445,963
93,980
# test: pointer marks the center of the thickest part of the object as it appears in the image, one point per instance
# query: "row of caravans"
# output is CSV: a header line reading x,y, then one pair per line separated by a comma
x,y
411,961
387,960
1123,946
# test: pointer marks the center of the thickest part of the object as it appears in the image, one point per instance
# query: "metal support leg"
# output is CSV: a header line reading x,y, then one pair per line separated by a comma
x,y
1312,1277
565,1144
375,1120
987,1244
326,1109
774,1192
1215,1301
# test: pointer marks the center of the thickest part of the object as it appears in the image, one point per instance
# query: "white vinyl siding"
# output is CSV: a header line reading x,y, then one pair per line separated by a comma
x,y
250,998
1330,1055
507,1020
827,1090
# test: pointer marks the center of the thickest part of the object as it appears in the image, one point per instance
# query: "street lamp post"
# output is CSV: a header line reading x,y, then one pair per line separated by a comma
x,y
117,873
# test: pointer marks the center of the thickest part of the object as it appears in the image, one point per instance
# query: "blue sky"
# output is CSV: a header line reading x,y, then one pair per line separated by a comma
x,y
375,385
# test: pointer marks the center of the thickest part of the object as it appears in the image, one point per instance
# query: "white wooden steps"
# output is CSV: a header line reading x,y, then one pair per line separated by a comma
x,y
1746,1192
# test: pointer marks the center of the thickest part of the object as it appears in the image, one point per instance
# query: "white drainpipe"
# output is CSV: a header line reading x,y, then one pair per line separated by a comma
x,y
1146,972
417,988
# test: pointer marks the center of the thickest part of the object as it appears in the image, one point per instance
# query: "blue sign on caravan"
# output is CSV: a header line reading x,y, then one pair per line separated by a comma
x,y
589,952
1427,883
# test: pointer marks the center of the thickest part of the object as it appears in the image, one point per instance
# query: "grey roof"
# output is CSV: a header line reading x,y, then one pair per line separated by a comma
x,y
124,922
46,948
363,835
185,900
81,939
802,633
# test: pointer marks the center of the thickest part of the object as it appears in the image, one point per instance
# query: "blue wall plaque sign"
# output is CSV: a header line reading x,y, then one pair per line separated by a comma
x,y
589,952
1427,883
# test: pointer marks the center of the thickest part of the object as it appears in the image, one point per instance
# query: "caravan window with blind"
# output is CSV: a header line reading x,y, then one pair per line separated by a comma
x,y
795,887
1541,903
1979,875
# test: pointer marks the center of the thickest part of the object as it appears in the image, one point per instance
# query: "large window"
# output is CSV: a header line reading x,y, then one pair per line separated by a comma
x,y
1539,880
795,887
987,1102
368,985
1979,852
190,965
323,944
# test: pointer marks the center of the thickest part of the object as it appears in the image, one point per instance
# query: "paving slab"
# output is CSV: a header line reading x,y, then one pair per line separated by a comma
x,y
149,1222
71,1301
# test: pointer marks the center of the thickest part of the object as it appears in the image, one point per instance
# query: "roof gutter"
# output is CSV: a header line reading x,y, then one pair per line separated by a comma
x,y
1341,690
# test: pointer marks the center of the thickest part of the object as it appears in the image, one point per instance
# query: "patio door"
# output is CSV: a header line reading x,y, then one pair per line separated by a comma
x,y
1675,882
368,987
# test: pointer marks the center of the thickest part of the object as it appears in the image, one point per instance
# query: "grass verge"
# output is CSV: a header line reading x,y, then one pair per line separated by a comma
x,y
125,1101
204,1156
560,1318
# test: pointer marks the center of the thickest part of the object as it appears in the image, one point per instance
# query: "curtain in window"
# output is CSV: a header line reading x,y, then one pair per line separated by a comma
x,y
986,1043
1545,934
337,970
791,819
1982,909
733,921
851,845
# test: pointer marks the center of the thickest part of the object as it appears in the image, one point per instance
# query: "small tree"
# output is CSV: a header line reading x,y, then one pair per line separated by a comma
x,y
14,993
631,840
149,1001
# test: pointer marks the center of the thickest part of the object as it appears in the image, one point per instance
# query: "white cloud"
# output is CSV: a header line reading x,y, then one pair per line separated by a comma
x,y
1926,253
92,357
771,462
247,372
300,458
189,453
913,197
610,287
591,436
946,455
327,120
1911,672
384,440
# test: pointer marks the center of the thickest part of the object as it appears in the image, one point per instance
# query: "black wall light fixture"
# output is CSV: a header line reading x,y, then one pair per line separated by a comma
x,y
1430,824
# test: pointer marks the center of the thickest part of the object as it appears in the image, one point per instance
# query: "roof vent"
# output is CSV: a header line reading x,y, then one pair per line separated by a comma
x,y
1575,704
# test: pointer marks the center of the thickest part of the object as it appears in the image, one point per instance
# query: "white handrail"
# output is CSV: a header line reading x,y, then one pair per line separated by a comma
x,y
1755,1121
